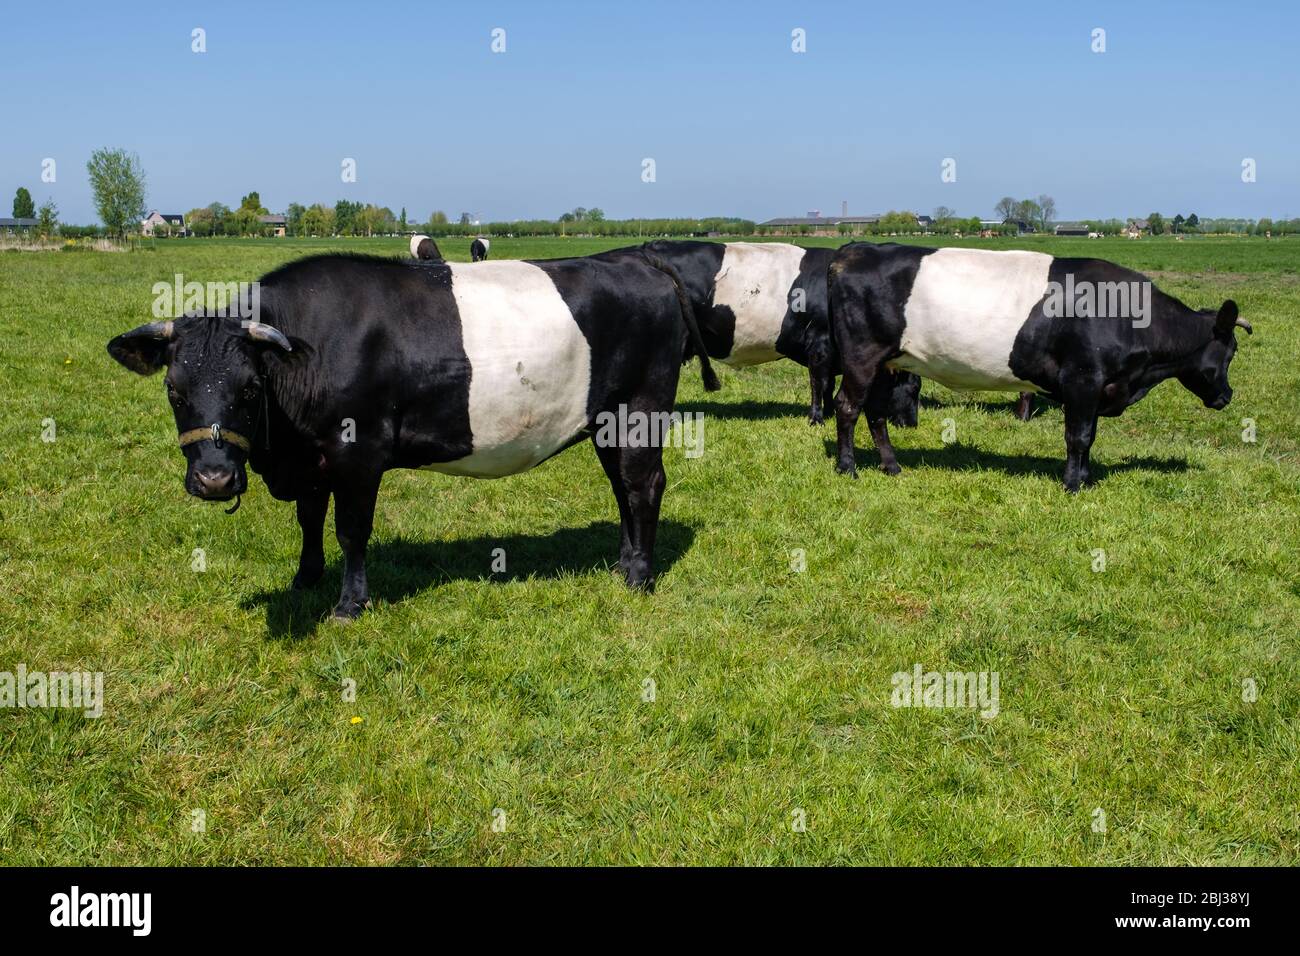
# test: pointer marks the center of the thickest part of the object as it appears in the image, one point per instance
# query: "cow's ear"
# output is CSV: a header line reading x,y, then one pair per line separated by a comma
x,y
144,349
1226,318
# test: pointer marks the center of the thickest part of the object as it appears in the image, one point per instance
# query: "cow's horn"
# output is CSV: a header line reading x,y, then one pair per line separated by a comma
x,y
1243,324
152,330
261,332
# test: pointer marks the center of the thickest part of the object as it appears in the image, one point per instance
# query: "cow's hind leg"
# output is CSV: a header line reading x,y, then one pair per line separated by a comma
x,y
312,505
354,515
638,479
879,398
1025,406
862,372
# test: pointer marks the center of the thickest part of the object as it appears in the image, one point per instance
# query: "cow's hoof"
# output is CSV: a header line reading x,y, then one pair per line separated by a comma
x,y
815,420
847,468
892,468
642,581
349,610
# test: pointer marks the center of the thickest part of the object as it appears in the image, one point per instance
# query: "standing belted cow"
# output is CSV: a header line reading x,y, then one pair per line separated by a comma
x,y
1089,334
760,301
357,365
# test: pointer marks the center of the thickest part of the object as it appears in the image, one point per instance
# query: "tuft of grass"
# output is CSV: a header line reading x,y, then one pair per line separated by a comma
x,y
519,697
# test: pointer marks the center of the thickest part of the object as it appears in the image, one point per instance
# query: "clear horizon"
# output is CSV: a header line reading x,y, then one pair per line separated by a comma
x,y
737,123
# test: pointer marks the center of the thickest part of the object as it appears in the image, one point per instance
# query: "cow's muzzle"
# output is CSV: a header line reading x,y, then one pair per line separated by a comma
x,y
215,482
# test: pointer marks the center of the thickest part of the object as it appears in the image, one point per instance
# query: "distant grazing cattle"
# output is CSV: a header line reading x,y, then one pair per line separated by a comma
x,y
478,249
760,301
1016,321
358,365
422,247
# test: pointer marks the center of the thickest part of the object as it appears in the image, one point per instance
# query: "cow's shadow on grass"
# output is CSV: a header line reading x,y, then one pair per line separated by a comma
x,y
746,411
399,568
959,457
991,406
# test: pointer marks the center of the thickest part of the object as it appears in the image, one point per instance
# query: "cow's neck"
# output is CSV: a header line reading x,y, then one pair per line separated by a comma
x,y
1177,347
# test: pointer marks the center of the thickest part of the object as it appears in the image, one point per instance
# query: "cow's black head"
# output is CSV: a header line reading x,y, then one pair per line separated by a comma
x,y
905,399
1207,374
215,377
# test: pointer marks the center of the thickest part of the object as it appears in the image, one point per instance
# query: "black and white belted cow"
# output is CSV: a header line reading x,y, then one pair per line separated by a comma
x,y
1089,334
478,249
422,247
761,301
358,365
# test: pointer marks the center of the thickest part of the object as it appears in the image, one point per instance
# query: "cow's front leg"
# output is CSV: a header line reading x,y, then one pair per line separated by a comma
x,y
1080,430
354,515
817,386
312,506
828,395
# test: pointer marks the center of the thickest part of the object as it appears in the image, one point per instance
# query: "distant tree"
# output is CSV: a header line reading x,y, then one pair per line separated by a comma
x,y
566,217
47,219
118,181
401,223
293,219
1046,211
223,219
1157,224
1005,209
595,214
23,208
253,203
345,217
1176,226
1193,222
318,220
200,221
942,214
439,218
1028,211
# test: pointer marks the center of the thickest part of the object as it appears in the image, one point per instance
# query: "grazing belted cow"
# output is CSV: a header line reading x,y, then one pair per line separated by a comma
x,y
478,249
760,301
358,365
1089,334
422,247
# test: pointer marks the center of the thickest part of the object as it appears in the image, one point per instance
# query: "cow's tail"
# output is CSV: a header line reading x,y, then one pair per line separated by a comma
x,y
710,378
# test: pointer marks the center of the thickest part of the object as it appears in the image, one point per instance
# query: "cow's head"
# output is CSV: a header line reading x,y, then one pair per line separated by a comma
x,y
905,399
1207,374
215,377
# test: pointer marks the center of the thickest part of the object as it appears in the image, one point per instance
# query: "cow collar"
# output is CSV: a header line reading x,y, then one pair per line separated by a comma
x,y
216,434
220,436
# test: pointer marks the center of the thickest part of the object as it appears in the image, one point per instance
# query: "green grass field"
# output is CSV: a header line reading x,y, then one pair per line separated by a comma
x,y
1121,690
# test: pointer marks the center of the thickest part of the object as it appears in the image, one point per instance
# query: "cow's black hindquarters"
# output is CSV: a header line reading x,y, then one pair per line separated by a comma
x,y
707,375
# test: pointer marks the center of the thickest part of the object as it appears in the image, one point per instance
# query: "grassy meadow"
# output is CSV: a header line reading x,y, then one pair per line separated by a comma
x,y
502,718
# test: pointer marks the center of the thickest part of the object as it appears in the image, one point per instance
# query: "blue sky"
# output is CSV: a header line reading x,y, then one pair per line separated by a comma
x,y
736,122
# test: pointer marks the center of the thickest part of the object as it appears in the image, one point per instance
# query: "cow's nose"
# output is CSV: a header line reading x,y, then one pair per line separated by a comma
x,y
215,483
